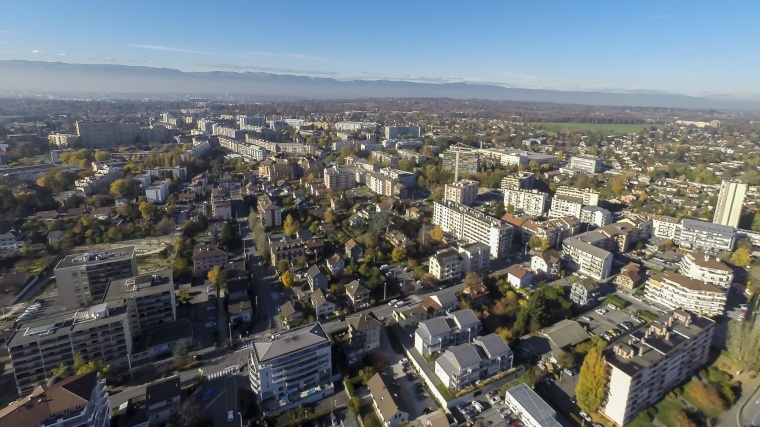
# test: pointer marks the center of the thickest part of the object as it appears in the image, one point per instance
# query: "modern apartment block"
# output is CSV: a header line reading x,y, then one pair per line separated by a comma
x,y
730,202
207,257
588,196
440,333
96,333
270,214
79,400
291,368
664,227
706,268
149,298
677,291
340,177
704,236
393,132
390,407
390,182
465,364
596,216
463,192
530,202
565,206
82,279
586,164
363,334
645,364
585,254
471,225
475,257
554,231
520,180
289,249
446,265
531,409
157,192
469,160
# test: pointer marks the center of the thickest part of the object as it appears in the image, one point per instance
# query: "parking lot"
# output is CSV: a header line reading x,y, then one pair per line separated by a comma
x,y
598,324
413,391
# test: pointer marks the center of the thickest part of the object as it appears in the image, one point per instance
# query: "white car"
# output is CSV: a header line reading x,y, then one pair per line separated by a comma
x,y
585,416
392,302
400,303
230,416
601,311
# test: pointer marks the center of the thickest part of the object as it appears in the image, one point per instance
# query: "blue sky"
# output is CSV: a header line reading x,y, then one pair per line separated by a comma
x,y
702,48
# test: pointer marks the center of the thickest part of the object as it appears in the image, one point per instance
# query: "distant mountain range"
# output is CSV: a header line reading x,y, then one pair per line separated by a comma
x,y
121,80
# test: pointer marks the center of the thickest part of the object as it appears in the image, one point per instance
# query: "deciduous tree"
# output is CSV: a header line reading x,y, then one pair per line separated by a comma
x,y
398,254
290,226
743,343
741,257
147,209
589,391
437,233
288,279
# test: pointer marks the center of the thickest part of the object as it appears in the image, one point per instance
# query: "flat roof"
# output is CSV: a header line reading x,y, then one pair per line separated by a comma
x,y
66,323
289,342
101,257
141,285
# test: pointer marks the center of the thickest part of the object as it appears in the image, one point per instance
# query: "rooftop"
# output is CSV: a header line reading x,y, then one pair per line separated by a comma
x,y
289,342
685,282
92,258
139,286
534,405
384,394
162,391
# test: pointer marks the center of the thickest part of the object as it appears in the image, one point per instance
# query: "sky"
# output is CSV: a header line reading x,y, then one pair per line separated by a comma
x,y
699,48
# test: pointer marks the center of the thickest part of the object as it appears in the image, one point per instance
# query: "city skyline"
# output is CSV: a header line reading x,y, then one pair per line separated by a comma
x,y
701,50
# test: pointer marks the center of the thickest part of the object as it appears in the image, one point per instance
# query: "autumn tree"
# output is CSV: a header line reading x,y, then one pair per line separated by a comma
x,y
704,396
534,242
471,279
147,209
680,419
743,343
589,391
282,265
329,216
504,332
398,254
290,226
217,277
741,257
436,233
288,279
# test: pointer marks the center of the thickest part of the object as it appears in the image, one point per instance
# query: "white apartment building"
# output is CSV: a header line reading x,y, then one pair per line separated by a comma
x,y
157,192
586,164
465,364
520,180
463,192
296,363
565,206
587,259
589,196
340,177
664,227
730,202
446,265
355,126
706,268
532,410
677,291
704,236
645,364
393,132
596,216
530,202
511,156
475,257
471,226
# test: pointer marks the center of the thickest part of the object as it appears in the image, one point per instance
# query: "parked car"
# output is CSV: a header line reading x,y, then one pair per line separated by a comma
x,y
392,302
601,311
207,395
209,324
334,419
585,416
230,416
612,306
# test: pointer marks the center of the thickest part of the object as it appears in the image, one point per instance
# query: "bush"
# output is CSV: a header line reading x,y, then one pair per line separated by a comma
x,y
728,394
644,418
617,302
705,397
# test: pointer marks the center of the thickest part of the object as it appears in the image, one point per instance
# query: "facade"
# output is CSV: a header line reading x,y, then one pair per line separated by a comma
x,y
533,411
386,400
62,140
471,226
363,334
207,257
162,400
463,365
270,214
677,291
292,368
530,202
11,240
596,216
463,192
446,265
664,227
518,276
82,279
149,298
221,209
157,192
586,164
565,206
475,257
647,363
288,249
440,333
547,263
316,278
79,400
340,177
469,160
588,196
323,303
706,268
730,202
519,181
584,292
357,294
393,132
587,258
703,236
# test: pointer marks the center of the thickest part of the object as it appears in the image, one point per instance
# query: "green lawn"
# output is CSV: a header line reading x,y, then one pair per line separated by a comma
x,y
665,409
593,127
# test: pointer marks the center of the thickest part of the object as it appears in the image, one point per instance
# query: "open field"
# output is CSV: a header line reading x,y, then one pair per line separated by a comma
x,y
594,127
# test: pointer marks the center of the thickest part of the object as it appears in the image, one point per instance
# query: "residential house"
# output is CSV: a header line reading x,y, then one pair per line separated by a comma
x,y
363,334
354,250
439,333
292,313
207,257
397,238
316,278
440,304
385,206
519,277
323,303
11,240
410,315
532,410
446,265
237,288
584,292
629,277
466,364
162,400
335,264
476,294
475,257
357,294
547,264
386,400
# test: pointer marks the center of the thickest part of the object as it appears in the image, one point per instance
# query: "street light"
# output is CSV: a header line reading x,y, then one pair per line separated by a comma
x,y
241,418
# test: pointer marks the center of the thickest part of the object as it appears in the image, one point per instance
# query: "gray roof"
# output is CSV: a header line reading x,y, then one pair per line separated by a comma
x,y
289,342
314,271
565,333
162,391
492,345
534,405
588,248
354,287
462,355
433,327
465,318
92,258
708,227
445,298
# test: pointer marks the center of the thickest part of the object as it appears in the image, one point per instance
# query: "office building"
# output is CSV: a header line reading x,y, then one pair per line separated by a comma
x,y
291,368
82,279
585,254
470,225
393,132
519,181
79,400
340,177
466,364
529,202
587,195
645,364
469,160
531,409
463,192
702,236
446,265
706,268
674,291
730,202
586,164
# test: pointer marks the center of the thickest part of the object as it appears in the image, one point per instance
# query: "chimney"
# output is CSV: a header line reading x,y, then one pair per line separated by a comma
x,y
687,322
667,336
641,350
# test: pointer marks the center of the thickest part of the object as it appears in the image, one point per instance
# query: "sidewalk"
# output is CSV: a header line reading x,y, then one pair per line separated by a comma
x,y
732,416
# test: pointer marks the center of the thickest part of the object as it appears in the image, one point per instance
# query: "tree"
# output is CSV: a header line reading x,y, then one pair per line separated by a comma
x,y
216,277
62,371
471,279
756,222
288,279
436,233
589,391
147,209
282,265
680,419
704,396
741,257
378,223
566,359
125,210
504,332
499,210
165,226
743,343
329,216
534,242
291,226
398,254
180,348
102,156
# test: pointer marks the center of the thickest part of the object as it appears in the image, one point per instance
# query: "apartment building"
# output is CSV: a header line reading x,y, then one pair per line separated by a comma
x,y
519,181
664,227
162,400
11,240
446,265
529,202
647,363
221,209
706,268
79,400
470,225
207,257
168,172
584,254
82,279
291,368
469,160
588,196
511,156
678,291
702,236
385,159
62,140
586,164
730,202
547,263
390,408
464,365
388,185
440,333
596,216
393,132
532,410
157,192
340,177
96,333
475,257
270,214
363,334
553,231
584,292
565,206
463,192
288,249
149,298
